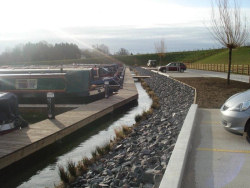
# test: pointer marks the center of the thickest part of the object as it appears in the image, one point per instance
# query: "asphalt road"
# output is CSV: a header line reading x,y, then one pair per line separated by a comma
x,y
218,158
200,73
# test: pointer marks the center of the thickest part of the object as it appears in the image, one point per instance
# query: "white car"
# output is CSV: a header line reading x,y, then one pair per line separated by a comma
x,y
236,113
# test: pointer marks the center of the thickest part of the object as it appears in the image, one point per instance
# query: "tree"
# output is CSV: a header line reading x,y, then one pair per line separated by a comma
x,y
102,48
160,49
228,28
122,51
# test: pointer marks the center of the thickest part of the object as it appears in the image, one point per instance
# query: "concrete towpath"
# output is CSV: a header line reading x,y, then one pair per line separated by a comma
x,y
200,73
218,158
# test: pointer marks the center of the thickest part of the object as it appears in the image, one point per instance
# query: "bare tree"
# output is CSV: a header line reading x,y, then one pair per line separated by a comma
x,y
160,49
101,48
228,28
122,51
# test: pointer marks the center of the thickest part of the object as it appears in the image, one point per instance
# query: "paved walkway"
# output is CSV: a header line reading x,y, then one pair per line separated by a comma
x,y
201,73
218,157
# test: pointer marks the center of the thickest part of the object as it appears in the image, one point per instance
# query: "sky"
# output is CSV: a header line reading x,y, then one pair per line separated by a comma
x,y
132,24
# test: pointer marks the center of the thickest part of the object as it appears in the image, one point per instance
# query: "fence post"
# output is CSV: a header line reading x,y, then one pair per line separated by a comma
x,y
242,69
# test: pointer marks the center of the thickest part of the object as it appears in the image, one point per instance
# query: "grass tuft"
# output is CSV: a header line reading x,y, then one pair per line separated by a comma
x,y
64,176
119,134
100,150
86,161
72,169
108,147
81,168
95,155
126,129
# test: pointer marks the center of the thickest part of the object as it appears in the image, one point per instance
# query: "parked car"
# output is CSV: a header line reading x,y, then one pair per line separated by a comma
x,y
173,67
151,63
236,113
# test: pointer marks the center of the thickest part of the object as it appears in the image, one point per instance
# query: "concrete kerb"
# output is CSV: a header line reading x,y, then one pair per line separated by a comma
x,y
172,177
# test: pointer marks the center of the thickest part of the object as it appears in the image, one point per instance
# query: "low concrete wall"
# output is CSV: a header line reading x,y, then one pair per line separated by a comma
x,y
172,177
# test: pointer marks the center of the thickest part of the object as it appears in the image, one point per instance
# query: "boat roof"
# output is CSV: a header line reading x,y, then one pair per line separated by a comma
x,y
32,74
6,96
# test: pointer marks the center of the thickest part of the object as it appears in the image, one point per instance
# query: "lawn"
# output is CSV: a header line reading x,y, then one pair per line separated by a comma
x,y
240,56
213,92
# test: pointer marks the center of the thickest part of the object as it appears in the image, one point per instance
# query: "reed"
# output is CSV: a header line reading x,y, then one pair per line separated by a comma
x,y
64,175
126,129
119,134
72,169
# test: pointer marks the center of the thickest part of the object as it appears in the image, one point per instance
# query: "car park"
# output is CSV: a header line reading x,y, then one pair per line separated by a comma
x,y
180,67
236,113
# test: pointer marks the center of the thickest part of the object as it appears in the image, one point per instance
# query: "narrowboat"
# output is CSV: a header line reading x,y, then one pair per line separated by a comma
x,y
75,81
32,84
9,115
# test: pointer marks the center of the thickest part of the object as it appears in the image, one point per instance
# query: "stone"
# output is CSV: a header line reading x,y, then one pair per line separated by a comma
x,y
145,152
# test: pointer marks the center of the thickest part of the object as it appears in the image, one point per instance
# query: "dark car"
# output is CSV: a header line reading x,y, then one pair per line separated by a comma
x,y
173,67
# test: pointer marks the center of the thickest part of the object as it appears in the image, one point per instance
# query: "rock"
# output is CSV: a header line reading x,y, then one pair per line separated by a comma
x,y
128,163
115,170
148,185
103,185
137,170
107,172
145,152
157,179
148,176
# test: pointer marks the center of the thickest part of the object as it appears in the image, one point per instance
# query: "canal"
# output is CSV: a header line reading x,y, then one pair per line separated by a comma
x,y
41,169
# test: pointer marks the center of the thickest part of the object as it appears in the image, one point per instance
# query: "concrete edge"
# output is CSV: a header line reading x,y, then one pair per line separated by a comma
x,y
172,177
164,74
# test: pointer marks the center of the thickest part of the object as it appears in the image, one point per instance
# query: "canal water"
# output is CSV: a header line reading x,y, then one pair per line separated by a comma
x,y
42,169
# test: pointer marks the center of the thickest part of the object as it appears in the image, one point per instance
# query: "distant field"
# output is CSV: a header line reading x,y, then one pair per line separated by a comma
x,y
141,60
186,56
214,56
240,56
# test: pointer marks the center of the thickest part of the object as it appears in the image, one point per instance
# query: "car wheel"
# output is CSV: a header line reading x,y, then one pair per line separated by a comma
x,y
248,131
182,70
164,70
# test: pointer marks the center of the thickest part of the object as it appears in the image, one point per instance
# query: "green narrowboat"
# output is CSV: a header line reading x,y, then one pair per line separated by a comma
x,y
34,83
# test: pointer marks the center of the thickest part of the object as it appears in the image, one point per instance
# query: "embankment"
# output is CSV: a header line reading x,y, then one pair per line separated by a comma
x,y
140,159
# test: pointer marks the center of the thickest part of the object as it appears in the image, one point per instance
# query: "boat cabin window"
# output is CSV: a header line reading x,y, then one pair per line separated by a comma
x,y
26,83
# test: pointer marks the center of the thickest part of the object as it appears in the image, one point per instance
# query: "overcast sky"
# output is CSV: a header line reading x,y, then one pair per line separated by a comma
x,y
132,24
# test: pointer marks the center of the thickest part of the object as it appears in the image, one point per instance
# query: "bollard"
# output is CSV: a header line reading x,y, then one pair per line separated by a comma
x,y
51,105
121,84
106,87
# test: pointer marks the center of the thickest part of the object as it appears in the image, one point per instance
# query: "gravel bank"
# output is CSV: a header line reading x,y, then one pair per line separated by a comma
x,y
140,159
